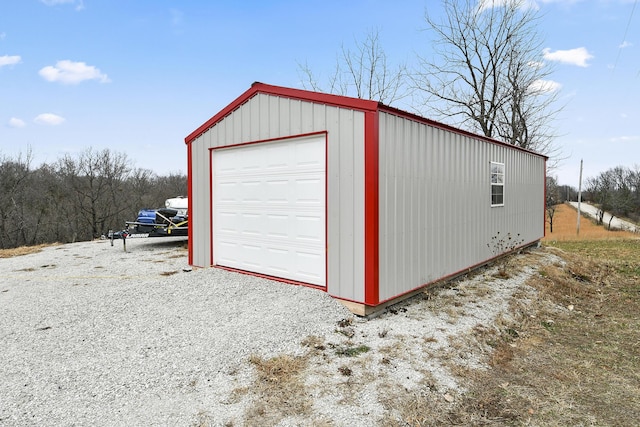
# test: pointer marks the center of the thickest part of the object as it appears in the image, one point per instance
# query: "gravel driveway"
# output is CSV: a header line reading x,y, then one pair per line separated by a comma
x,y
91,335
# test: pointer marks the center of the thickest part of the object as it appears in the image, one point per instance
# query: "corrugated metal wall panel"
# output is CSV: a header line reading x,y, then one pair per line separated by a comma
x,y
266,117
198,201
435,211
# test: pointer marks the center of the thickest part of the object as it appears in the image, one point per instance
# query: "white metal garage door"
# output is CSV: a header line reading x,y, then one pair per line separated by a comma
x,y
269,208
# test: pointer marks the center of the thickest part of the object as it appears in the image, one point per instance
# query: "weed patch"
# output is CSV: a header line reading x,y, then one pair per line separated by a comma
x,y
279,388
352,351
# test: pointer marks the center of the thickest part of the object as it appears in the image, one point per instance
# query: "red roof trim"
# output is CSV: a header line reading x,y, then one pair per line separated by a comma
x,y
338,101
420,119
304,95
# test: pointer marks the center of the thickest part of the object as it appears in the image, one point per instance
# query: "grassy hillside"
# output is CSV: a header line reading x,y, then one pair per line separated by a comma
x,y
573,357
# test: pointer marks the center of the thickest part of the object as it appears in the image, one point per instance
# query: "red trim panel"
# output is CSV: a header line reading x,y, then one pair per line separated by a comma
x,y
274,278
371,210
326,211
210,207
544,202
190,203
280,138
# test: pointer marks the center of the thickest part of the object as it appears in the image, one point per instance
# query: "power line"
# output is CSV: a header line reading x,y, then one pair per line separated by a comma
x,y
626,31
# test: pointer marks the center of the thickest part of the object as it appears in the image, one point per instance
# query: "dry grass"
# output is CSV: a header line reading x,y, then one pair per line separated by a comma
x,y
24,250
279,389
569,355
564,228
168,273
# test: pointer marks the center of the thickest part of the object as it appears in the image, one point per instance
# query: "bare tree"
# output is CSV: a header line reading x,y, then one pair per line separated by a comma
x,y
140,186
56,224
623,202
487,74
634,184
601,191
616,192
96,184
14,179
171,185
362,73
552,199
568,193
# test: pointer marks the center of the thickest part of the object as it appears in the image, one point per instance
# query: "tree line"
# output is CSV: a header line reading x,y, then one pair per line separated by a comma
x,y
76,198
615,191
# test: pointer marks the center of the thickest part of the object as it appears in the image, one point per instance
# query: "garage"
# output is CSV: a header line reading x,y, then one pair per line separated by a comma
x,y
269,208
363,201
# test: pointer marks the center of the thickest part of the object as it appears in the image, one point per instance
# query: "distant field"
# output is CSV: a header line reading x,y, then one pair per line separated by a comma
x,y
564,228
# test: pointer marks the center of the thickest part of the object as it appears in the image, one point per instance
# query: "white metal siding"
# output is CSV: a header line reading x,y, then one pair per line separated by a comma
x,y
269,208
435,210
267,117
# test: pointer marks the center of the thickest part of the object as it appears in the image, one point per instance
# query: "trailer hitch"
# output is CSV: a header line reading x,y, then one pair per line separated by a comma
x,y
123,234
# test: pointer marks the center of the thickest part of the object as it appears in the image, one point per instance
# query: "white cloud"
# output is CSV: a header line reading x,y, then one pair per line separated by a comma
x,y
16,123
625,44
49,119
177,21
79,3
536,64
488,4
9,60
561,1
544,86
578,56
625,138
2,36
70,72
177,17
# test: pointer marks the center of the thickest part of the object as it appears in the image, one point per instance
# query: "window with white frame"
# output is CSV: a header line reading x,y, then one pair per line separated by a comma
x,y
497,184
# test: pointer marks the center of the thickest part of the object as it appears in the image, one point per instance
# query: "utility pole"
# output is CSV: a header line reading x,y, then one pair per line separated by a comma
x,y
579,198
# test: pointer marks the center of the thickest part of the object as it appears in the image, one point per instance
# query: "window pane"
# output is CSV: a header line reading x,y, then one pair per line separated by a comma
x,y
497,195
497,183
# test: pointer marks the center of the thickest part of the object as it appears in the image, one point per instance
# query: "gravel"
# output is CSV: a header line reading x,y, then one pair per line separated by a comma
x,y
92,335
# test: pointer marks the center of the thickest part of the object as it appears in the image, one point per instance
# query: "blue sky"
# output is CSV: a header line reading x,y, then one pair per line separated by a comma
x,y
139,76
